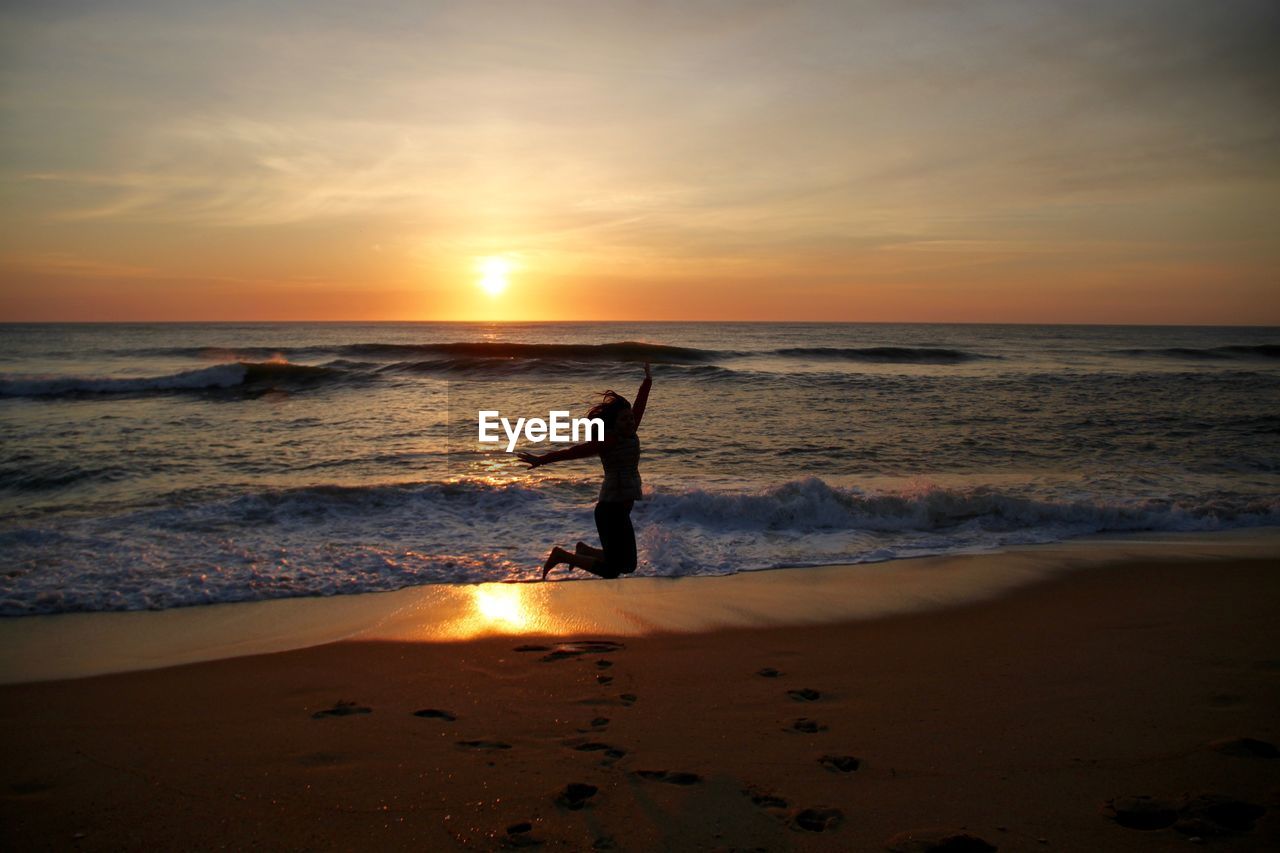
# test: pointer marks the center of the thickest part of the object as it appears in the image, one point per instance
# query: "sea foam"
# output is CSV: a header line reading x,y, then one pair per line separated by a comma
x,y
326,540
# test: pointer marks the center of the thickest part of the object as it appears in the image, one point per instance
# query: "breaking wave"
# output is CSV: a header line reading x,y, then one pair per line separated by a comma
x,y
465,354
1233,351
327,540
247,375
890,355
621,351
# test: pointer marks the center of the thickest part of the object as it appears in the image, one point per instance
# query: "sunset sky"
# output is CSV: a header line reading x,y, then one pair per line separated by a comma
x,y
1011,161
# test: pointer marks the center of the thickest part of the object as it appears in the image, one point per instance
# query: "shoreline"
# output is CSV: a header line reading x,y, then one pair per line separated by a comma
x,y
74,645
1014,719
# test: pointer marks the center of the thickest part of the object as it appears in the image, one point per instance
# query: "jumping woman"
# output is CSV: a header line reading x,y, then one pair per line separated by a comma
x,y
619,453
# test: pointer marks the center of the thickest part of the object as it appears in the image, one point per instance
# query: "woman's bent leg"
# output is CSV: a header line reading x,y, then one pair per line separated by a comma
x,y
559,556
583,549
617,538
627,558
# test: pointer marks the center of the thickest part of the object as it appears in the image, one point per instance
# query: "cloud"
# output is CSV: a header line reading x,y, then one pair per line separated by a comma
x,y
784,135
66,264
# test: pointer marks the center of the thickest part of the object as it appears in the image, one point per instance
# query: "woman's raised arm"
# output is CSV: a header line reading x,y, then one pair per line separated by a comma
x,y
642,396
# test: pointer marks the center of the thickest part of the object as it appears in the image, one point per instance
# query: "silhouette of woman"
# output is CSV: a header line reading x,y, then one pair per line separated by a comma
x,y
619,453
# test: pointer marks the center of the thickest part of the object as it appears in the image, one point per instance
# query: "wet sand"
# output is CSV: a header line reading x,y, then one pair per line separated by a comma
x,y
1013,720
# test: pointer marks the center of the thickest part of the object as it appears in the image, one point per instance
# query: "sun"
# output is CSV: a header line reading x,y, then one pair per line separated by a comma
x,y
493,274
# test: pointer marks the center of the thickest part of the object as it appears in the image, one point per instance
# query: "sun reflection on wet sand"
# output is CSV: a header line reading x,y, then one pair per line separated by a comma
x,y
498,608
503,604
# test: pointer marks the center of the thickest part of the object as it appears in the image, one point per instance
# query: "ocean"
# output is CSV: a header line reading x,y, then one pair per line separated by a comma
x,y
153,466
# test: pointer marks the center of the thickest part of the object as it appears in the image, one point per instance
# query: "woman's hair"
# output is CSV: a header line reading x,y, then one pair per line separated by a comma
x,y
610,406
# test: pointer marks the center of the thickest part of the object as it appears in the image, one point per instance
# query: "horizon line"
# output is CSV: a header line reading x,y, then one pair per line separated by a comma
x,y
630,322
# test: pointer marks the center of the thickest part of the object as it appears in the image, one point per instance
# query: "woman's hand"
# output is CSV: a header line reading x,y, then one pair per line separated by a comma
x,y
533,460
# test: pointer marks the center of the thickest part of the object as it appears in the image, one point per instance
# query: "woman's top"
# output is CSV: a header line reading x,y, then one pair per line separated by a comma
x,y
621,461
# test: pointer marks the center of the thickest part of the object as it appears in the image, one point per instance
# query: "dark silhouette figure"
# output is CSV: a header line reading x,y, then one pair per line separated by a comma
x,y
619,453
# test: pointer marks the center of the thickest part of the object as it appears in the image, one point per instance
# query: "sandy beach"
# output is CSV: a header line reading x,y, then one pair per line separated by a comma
x,y
1013,720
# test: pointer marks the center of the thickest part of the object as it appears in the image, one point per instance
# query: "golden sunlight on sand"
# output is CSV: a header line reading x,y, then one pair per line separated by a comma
x,y
502,604
492,608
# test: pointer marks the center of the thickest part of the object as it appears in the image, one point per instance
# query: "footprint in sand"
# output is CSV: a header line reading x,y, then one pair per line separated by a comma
x,y
670,777
596,724
591,746
624,700
937,840
1245,747
840,763
765,800
558,654
816,819
804,725
804,694
1199,815
436,714
573,650
341,709
1141,812
603,679
604,664
1207,815
768,672
611,753
575,795
521,835
483,744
